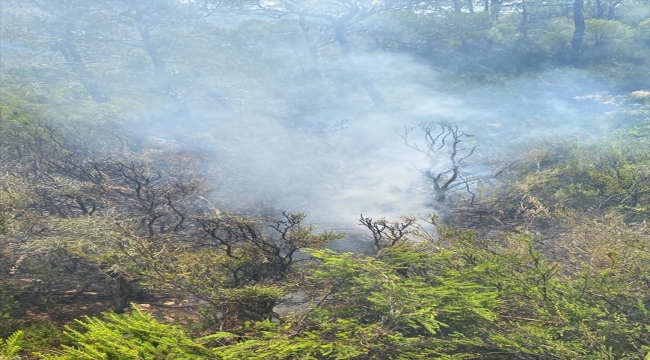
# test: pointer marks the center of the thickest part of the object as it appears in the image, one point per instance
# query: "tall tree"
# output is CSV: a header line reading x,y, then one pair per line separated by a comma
x,y
578,32
64,24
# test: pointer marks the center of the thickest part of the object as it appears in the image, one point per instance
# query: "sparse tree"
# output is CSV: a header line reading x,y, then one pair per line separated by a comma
x,y
386,234
447,158
255,262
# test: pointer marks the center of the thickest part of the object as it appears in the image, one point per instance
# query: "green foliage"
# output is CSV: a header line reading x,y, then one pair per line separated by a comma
x,y
41,336
550,309
243,268
610,175
16,110
133,336
12,345
473,297
460,296
635,116
363,308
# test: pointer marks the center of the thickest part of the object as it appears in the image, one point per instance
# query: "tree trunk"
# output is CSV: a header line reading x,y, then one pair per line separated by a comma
x,y
73,58
313,51
340,34
458,6
496,9
612,8
523,27
441,207
125,290
154,55
578,32
600,10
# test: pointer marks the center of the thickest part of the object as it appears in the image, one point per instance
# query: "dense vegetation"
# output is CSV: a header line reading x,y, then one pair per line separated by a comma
x,y
156,157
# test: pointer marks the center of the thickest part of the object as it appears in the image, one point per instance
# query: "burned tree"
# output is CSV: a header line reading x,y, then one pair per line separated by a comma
x,y
386,234
253,263
446,159
273,243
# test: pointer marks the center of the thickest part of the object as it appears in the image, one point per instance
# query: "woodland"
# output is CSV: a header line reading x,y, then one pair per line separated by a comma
x,y
325,179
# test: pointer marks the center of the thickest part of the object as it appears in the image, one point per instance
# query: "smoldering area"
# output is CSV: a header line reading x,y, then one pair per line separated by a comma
x,y
348,159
